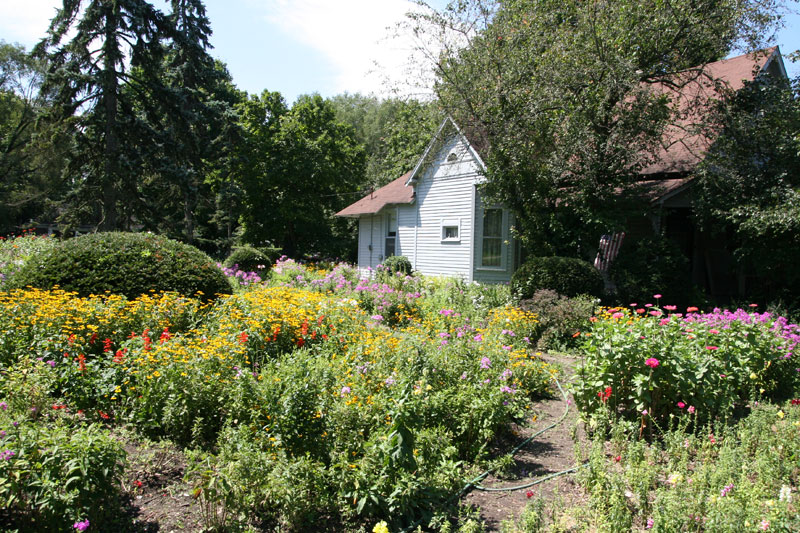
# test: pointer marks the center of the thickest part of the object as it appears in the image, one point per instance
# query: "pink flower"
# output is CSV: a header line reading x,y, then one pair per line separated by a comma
x,y
617,315
764,525
691,409
656,296
712,348
652,362
486,362
645,412
681,405
670,307
81,526
650,523
655,313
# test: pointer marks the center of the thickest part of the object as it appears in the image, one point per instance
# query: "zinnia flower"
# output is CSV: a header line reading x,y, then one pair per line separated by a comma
x,y
651,362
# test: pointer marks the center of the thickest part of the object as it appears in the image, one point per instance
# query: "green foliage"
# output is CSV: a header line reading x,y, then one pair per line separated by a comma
x,y
54,475
560,318
248,259
722,478
710,365
749,186
14,251
565,275
558,93
295,165
123,263
652,265
394,132
396,263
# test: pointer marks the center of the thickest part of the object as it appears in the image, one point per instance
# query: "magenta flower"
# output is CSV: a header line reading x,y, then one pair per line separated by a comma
x,y
656,296
650,523
652,362
712,348
681,405
486,362
81,526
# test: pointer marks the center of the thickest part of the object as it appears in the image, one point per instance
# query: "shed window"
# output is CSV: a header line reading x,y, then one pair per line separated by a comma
x,y
451,230
391,234
491,252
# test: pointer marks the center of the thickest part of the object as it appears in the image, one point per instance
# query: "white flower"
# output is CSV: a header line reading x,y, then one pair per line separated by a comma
x,y
785,495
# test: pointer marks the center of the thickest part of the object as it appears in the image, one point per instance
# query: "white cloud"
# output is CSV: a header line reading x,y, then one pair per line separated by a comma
x,y
356,37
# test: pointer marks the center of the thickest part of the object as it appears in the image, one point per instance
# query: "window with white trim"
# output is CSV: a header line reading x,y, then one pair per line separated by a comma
x,y
492,245
391,234
451,230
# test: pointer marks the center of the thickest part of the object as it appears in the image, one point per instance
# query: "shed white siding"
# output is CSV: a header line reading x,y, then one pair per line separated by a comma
x,y
406,231
444,196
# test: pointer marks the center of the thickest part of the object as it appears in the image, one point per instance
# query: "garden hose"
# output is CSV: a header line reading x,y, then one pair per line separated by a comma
x,y
474,484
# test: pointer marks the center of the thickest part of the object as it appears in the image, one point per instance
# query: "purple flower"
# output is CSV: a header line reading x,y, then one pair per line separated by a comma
x,y
389,381
8,454
506,374
345,390
3,406
486,362
81,526
51,363
478,338
377,317
463,375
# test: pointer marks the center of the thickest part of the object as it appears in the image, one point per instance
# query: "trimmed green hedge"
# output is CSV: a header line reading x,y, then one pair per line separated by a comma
x,y
130,264
248,259
397,263
567,276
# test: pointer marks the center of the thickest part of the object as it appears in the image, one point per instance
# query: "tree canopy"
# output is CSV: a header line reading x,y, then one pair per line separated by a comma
x,y
559,94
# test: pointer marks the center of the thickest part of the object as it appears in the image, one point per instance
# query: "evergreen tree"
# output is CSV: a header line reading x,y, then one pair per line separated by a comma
x,y
92,52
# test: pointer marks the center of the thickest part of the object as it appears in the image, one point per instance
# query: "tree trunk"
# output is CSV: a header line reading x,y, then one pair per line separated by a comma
x,y
110,179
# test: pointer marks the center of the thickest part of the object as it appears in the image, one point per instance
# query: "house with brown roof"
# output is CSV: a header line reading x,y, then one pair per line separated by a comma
x,y
435,215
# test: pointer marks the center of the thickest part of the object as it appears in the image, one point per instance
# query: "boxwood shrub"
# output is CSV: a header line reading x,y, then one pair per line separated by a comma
x,y
130,264
397,263
567,276
248,259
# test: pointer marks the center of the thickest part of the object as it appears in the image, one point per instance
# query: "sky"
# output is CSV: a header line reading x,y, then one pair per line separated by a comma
x,y
302,46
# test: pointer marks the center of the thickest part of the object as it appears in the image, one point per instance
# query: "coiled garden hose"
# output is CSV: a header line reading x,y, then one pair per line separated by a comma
x,y
475,483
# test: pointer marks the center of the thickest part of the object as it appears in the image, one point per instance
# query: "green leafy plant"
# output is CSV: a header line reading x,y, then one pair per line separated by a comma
x,y
565,275
130,264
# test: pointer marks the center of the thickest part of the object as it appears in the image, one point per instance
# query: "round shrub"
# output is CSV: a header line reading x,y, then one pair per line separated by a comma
x,y
248,259
397,263
130,264
567,276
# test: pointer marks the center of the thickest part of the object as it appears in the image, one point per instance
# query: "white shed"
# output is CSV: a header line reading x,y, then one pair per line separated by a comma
x,y
435,216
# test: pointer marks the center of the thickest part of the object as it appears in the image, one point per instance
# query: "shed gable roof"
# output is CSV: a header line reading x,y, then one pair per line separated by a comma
x,y
396,192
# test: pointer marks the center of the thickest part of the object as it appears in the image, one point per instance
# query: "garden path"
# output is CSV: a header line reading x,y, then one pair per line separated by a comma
x,y
551,452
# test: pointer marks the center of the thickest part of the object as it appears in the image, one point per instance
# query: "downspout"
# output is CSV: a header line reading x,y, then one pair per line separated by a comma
x,y
473,224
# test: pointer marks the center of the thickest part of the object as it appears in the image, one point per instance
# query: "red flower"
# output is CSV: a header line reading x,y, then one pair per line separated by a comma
x,y
604,395
243,337
304,328
93,339
529,494
300,343
104,415
165,336
120,356
137,484
617,458
795,402
692,309
59,406
106,345
82,362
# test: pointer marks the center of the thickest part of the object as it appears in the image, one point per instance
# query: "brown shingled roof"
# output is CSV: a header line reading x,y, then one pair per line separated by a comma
x,y
685,143
393,193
